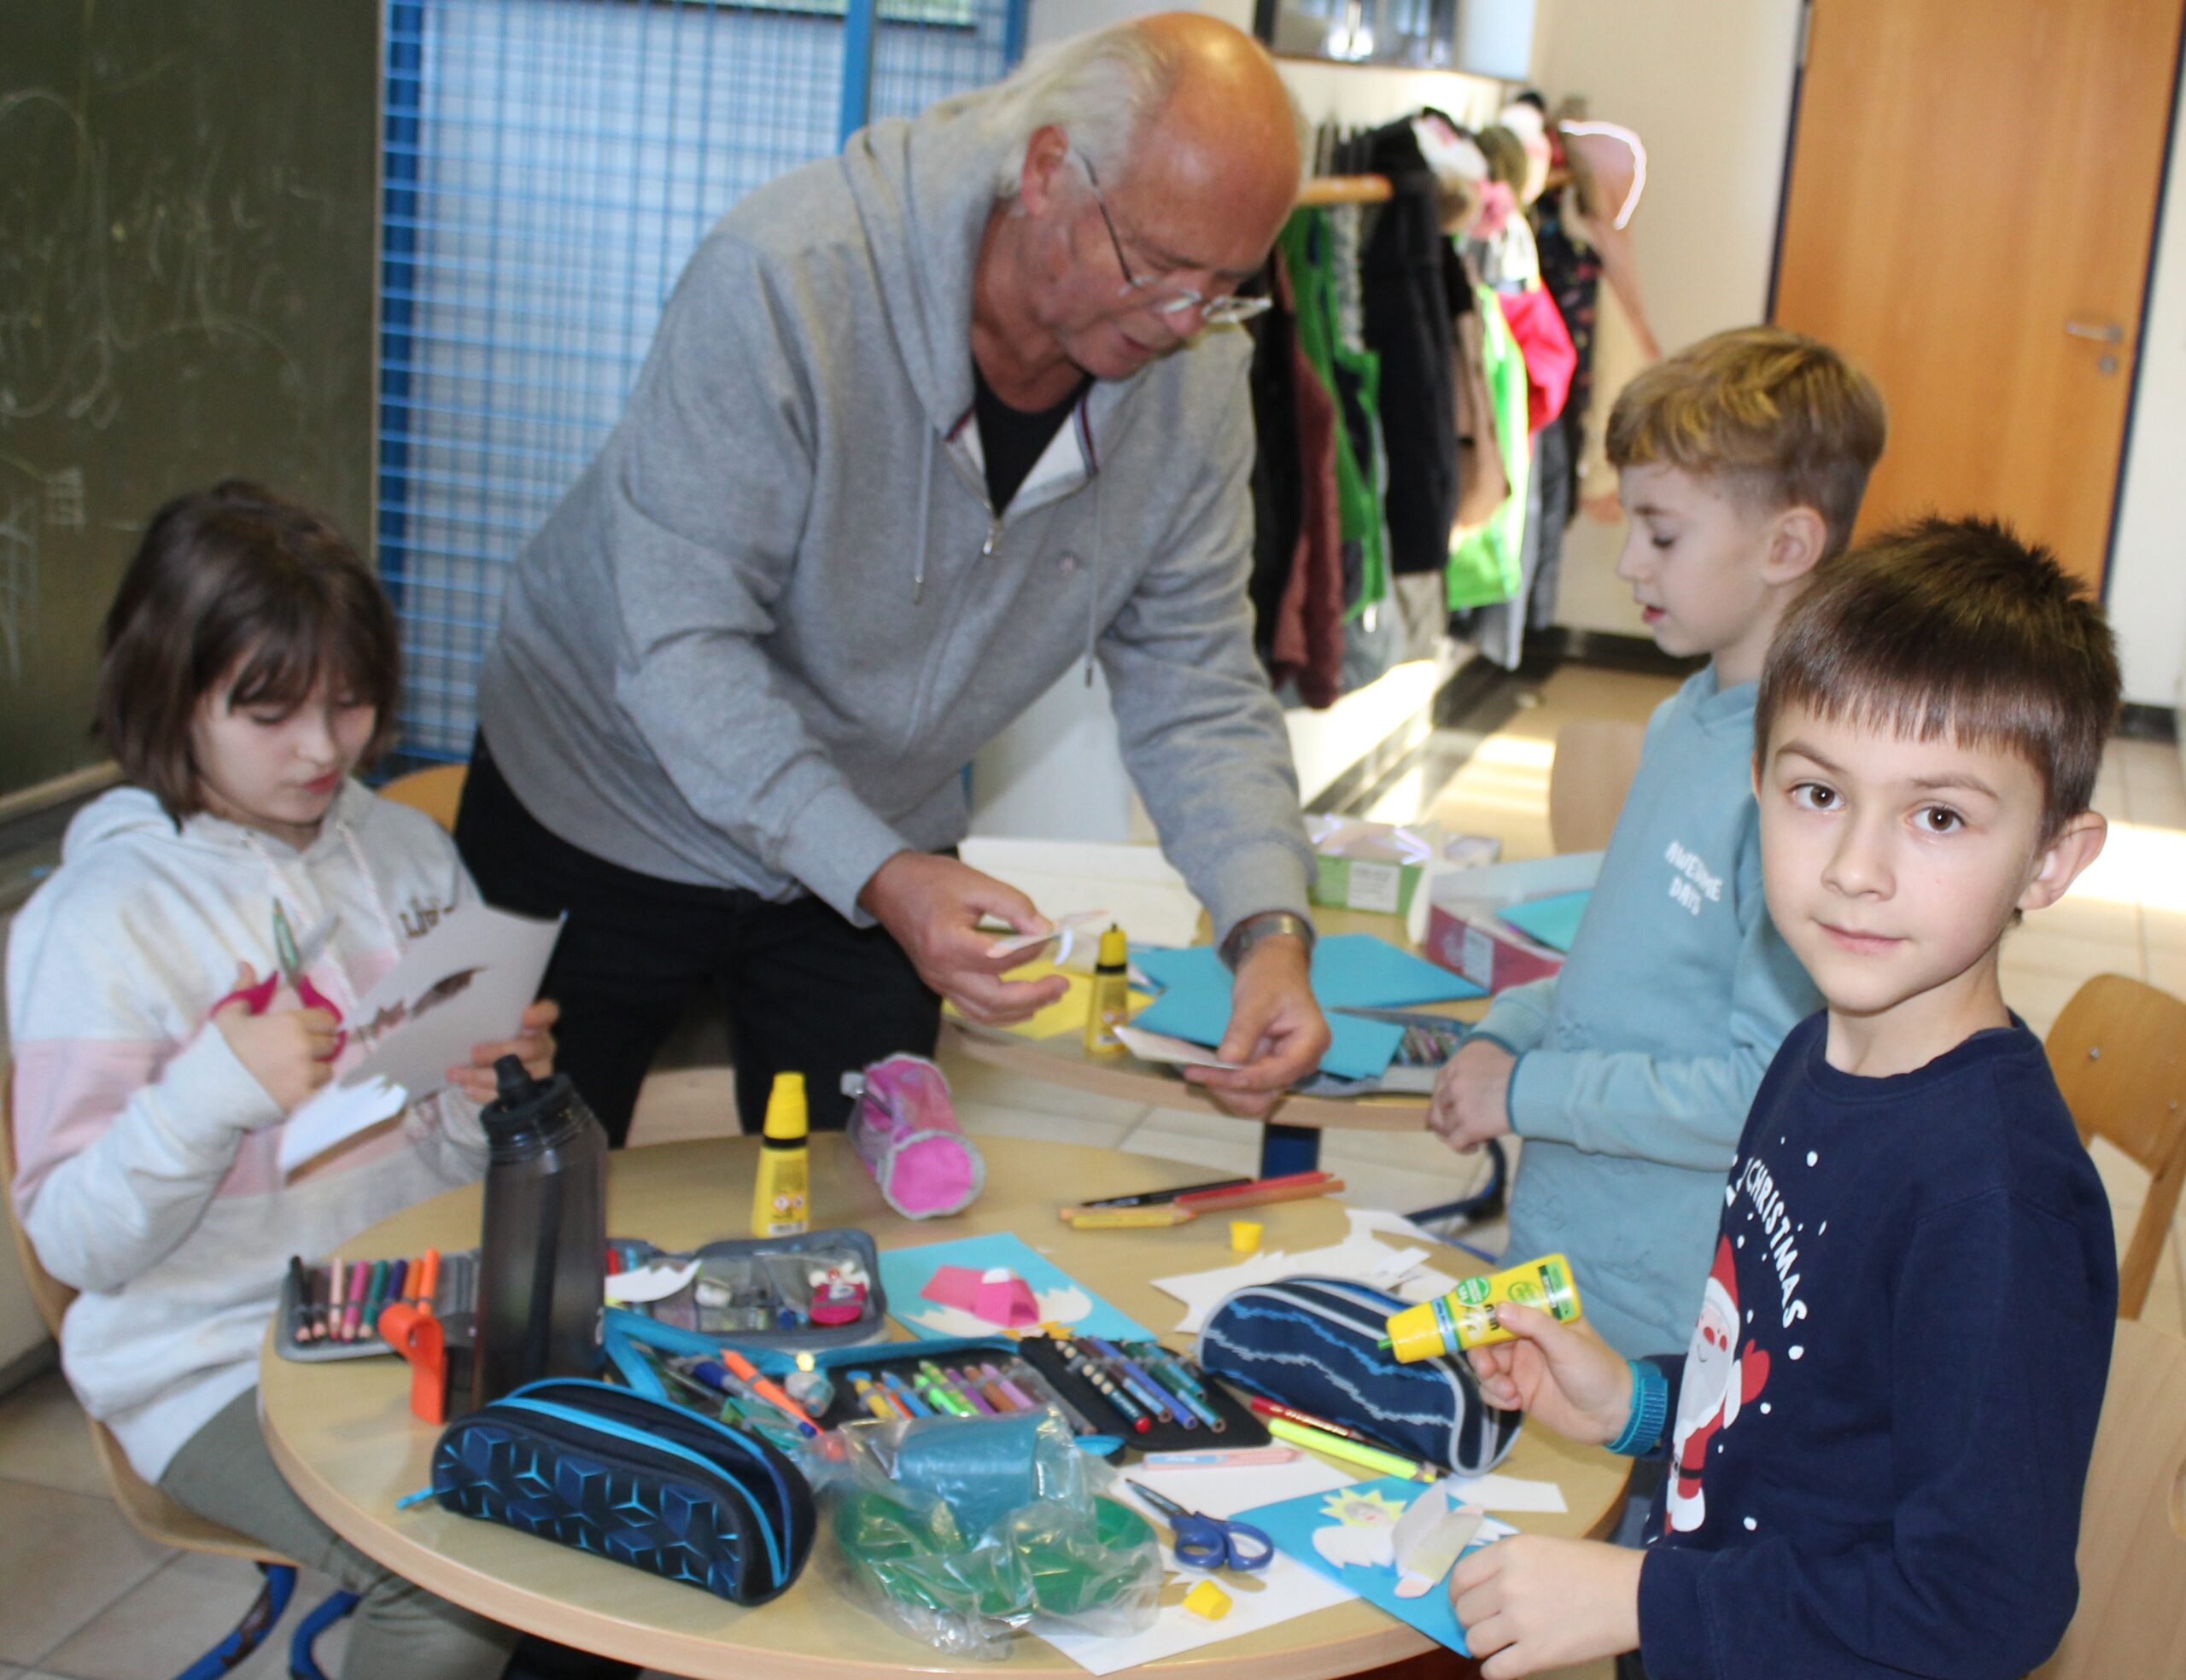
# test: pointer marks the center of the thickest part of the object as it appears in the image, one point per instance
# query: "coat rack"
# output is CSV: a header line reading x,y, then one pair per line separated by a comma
x,y
1323,191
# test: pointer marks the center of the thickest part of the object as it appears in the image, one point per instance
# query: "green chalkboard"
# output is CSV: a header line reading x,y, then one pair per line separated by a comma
x,y
186,261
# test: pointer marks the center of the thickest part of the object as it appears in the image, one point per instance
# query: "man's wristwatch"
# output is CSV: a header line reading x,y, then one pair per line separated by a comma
x,y
1266,925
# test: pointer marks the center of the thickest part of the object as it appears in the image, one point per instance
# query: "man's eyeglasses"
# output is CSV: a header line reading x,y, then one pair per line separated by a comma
x,y
1163,295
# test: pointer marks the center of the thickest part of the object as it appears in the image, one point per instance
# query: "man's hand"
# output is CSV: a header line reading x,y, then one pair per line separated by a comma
x,y
289,1052
1564,1374
533,1046
1529,1603
932,905
1471,1101
1276,1034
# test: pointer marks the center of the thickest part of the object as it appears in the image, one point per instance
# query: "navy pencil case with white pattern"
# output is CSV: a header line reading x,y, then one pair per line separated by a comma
x,y
1312,1342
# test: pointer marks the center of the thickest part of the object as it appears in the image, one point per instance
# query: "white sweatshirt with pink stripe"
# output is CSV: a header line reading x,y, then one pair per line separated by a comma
x,y
147,1176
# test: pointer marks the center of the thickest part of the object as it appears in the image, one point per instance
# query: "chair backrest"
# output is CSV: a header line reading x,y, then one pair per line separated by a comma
x,y
2119,1052
148,1511
435,791
2131,1621
1596,759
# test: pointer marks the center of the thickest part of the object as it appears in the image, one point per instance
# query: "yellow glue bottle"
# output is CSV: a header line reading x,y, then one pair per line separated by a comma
x,y
780,1201
1110,1005
1465,1317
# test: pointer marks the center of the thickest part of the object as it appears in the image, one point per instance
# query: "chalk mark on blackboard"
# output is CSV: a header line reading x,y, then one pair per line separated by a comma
x,y
83,289
64,498
18,584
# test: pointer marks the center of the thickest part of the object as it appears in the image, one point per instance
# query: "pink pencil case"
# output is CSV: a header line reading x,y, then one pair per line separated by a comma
x,y
904,1127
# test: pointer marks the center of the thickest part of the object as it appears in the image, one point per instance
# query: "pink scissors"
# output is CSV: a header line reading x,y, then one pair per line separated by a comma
x,y
290,968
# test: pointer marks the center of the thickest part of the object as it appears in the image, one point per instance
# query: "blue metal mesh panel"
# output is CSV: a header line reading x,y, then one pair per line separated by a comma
x,y
549,166
925,51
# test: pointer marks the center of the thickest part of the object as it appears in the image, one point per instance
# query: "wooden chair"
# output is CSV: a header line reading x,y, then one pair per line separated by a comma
x,y
159,1519
1596,759
2119,1052
436,792
2131,1621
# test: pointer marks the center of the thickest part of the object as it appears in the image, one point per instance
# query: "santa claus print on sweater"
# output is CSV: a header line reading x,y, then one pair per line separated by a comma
x,y
1718,1384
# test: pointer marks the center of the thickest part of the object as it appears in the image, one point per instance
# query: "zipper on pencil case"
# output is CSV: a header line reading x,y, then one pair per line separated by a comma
x,y
648,1451
708,1435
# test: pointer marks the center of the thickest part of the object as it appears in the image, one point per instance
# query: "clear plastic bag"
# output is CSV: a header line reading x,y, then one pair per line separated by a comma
x,y
959,1531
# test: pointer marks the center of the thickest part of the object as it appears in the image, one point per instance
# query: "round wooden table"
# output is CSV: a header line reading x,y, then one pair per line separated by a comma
x,y
343,1434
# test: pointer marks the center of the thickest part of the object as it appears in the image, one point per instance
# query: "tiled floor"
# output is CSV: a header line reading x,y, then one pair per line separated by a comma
x,y
81,1597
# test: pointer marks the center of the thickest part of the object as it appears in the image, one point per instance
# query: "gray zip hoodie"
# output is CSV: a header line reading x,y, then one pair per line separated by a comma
x,y
761,637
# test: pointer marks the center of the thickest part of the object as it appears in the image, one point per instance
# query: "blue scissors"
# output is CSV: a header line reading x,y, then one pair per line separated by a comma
x,y
1211,1542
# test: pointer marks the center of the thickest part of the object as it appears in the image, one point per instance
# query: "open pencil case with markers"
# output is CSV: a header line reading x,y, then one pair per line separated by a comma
x,y
1161,1386
455,1296
821,1289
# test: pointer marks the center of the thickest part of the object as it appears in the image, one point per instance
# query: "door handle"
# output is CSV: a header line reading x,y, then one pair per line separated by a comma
x,y
2103,332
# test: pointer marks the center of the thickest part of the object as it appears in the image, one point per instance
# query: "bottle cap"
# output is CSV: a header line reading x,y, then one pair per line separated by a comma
x,y
1115,949
786,1111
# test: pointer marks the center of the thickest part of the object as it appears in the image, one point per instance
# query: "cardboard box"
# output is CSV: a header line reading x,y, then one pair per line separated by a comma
x,y
1370,865
1465,932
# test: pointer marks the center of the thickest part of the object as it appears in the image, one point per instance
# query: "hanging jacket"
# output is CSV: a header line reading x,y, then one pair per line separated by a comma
x,y
1408,327
148,1176
1307,645
761,636
1487,565
1545,342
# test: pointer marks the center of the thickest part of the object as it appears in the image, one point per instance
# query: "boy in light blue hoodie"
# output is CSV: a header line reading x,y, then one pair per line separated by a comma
x,y
1740,464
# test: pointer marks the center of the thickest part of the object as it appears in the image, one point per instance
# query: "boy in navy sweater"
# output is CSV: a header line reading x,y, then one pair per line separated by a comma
x,y
1881,1428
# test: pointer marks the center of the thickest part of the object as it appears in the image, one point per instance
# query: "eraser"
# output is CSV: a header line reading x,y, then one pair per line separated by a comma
x,y
1207,1602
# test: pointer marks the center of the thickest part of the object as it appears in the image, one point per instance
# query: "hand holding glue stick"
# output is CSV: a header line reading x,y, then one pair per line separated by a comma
x,y
1466,1317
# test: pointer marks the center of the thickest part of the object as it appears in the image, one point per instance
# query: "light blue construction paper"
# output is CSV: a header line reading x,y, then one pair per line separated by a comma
x,y
1290,1524
1359,971
1554,920
1351,970
906,1271
1357,1048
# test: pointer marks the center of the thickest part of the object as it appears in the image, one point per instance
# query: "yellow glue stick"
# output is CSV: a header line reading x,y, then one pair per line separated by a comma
x,y
1110,1005
780,1199
1465,1317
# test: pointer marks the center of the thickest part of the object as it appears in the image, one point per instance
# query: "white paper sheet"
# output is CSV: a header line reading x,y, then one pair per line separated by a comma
x,y
1282,1591
1496,1492
465,984
1154,1046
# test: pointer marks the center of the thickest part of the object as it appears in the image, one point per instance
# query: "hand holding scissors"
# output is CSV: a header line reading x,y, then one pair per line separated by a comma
x,y
257,996
1210,1542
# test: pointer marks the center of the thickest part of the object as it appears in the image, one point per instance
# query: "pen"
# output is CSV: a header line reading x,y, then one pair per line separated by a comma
x,y
768,1390
1150,1197
939,1392
1018,1396
428,1278
299,1287
1132,1411
359,1274
906,1396
1335,1446
964,1386
375,1297
1144,1386
871,1398
1191,1394
398,1274
1276,1408
337,1296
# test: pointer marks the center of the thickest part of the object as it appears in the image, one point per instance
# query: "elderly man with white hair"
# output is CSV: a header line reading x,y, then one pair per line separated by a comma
x,y
925,426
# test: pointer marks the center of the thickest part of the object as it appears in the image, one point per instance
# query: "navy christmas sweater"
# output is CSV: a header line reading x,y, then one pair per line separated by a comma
x,y
1881,1432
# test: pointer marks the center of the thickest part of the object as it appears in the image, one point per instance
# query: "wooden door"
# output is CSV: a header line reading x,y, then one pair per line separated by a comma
x,y
1972,203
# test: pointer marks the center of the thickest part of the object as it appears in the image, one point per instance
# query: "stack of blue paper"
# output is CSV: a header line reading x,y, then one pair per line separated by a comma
x,y
1351,970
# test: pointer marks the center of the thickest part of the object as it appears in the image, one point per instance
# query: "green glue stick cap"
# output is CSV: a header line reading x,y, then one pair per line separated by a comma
x,y
786,1120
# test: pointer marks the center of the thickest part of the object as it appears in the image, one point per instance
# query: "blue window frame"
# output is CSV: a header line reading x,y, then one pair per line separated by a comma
x,y
548,166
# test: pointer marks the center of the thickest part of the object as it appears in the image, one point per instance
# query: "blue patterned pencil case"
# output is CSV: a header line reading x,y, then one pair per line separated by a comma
x,y
1312,1343
642,1482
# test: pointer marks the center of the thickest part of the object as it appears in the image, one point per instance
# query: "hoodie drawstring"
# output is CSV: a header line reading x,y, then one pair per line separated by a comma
x,y
926,492
1093,582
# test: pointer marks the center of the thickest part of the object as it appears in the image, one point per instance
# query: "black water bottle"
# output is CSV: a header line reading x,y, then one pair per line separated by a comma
x,y
542,1269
